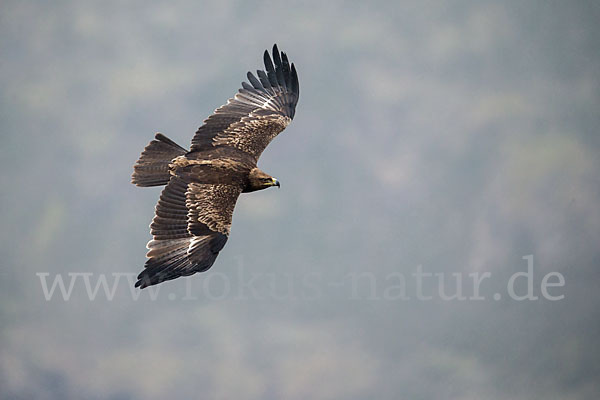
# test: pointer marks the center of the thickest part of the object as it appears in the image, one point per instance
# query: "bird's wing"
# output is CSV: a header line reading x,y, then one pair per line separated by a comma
x,y
259,111
189,229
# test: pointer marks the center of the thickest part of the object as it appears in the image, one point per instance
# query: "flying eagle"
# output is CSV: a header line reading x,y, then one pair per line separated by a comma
x,y
194,211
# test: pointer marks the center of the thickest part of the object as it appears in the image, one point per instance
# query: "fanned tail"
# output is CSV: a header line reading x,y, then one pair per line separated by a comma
x,y
152,169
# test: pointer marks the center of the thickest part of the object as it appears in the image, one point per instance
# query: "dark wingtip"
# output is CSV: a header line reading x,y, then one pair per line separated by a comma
x,y
276,56
279,79
145,280
267,59
255,82
295,84
270,69
286,70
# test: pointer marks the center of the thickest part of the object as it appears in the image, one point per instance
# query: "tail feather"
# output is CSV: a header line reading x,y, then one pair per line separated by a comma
x,y
152,169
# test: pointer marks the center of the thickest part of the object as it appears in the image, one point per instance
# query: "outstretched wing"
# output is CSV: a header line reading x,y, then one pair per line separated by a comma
x,y
189,229
259,111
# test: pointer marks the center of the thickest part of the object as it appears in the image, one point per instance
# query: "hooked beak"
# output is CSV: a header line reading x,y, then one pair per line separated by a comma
x,y
276,183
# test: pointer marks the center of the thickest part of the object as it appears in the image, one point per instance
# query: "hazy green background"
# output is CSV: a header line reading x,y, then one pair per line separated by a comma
x,y
460,136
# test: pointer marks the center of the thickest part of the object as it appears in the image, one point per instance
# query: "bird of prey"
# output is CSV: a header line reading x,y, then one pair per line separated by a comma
x,y
194,211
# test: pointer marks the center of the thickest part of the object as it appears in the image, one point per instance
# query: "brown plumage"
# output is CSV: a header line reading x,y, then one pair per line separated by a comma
x,y
194,211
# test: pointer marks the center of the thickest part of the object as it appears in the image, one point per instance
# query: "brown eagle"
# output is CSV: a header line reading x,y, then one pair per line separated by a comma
x,y
194,211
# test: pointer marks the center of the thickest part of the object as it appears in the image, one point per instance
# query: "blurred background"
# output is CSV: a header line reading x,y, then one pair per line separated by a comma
x,y
456,136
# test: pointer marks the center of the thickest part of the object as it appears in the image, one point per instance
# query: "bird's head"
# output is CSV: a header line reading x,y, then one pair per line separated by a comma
x,y
258,180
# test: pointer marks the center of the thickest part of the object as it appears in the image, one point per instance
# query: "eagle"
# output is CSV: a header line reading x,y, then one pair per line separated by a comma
x,y
193,216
